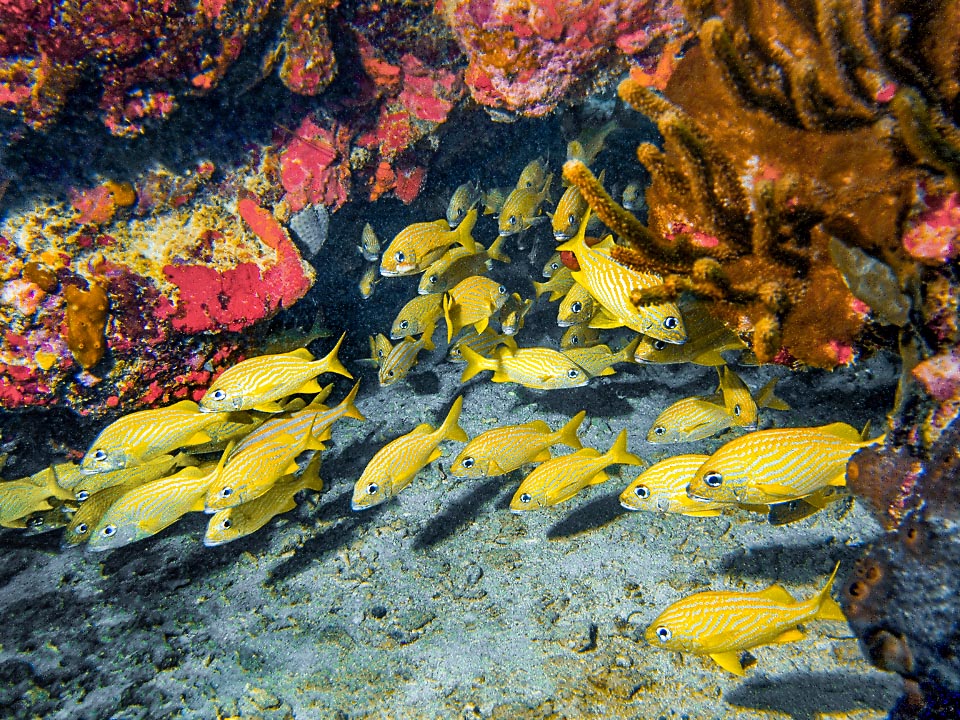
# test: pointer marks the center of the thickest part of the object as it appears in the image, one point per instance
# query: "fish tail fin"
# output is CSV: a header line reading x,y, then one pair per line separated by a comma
x,y
349,409
465,231
448,303
451,430
629,352
827,608
540,288
494,250
332,362
619,454
766,398
568,433
54,487
476,363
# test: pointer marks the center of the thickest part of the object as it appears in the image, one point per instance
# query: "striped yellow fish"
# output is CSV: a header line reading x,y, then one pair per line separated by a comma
x,y
149,508
418,245
690,419
463,200
403,356
633,198
560,478
236,522
707,337
257,383
145,435
396,464
533,175
504,449
558,285
514,313
576,307
611,284
457,264
737,399
87,485
368,282
662,487
539,368
414,317
552,265
481,343
588,144
598,360
380,347
570,211
722,624
369,245
472,302
268,453
91,511
57,517
23,497
778,465
492,200
522,209
580,335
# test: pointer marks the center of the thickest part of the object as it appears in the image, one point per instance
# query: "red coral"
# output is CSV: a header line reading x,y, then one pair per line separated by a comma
x,y
309,65
315,166
934,236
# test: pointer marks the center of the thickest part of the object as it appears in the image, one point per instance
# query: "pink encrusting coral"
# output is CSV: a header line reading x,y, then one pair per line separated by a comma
x,y
934,235
315,165
524,56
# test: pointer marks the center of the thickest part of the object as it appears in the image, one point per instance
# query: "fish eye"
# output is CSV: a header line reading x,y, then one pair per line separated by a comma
x,y
659,344
659,430
642,492
226,492
663,633
525,498
670,322
460,212
108,530
35,522
432,279
713,479
573,373
373,489
218,394
100,455
574,340
576,307
736,409
380,354
82,495
404,324
512,219
468,462
226,524
389,373
502,290
81,529
572,219
554,266
399,256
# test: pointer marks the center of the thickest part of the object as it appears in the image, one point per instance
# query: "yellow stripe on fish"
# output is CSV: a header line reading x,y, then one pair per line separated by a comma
x,y
522,209
576,307
481,343
722,624
539,368
142,436
403,356
662,487
396,464
504,449
472,302
778,465
598,360
611,284
690,419
414,317
369,245
707,337
23,497
236,522
91,511
463,200
418,245
257,383
737,398
560,478
145,472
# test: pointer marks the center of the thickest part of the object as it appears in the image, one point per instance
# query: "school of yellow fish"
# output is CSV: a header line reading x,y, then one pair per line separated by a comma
x,y
256,437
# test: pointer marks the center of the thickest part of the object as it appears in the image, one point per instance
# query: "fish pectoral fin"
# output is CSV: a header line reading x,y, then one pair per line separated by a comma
x,y
700,513
729,661
839,480
605,321
778,593
269,407
542,456
710,358
777,490
481,324
791,635
600,477
198,438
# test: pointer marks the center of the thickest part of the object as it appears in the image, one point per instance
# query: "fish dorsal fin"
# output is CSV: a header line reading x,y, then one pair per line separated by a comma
x,y
842,430
729,661
302,353
791,635
778,593
540,426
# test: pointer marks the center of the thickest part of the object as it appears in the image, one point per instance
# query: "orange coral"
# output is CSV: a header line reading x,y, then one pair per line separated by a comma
x,y
86,323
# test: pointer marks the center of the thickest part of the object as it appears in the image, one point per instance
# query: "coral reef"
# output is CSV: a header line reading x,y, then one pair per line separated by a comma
x,y
86,319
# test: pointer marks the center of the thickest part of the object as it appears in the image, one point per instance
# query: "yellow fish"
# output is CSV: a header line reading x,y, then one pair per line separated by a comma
x,y
560,478
23,497
58,516
416,315
472,302
611,284
538,368
154,506
463,200
558,285
597,360
722,624
522,209
396,464
91,511
380,347
257,383
513,313
269,452
569,212
369,245
368,282
662,487
778,465
493,200
459,263
533,175
403,356
707,337
632,197
87,485
552,265
504,449
589,143
580,335
145,435
419,244
236,522
737,399
576,307
481,343
690,419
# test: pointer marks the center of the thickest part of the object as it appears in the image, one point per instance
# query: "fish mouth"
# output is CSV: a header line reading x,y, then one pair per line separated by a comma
x,y
508,233
559,236
565,323
697,498
390,273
